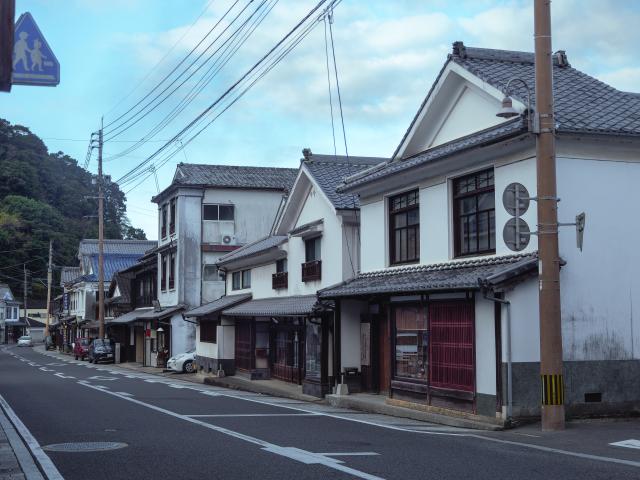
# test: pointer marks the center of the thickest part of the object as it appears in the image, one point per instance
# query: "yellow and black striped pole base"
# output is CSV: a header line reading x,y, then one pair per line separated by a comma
x,y
552,389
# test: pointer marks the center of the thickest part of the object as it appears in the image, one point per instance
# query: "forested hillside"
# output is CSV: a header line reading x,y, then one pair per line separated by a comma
x,y
47,196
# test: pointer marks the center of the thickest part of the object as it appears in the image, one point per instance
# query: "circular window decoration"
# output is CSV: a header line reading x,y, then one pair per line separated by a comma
x,y
516,234
515,199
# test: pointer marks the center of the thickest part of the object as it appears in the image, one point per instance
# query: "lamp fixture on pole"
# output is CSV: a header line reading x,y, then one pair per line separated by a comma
x,y
507,110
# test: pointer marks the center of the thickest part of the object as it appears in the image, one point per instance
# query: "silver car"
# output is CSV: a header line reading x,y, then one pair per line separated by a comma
x,y
25,341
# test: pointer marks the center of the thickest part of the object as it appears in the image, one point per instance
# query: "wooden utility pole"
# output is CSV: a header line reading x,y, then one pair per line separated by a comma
x,y
7,18
549,255
24,291
49,280
100,236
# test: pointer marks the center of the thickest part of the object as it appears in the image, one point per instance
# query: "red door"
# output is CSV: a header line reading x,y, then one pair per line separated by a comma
x,y
452,353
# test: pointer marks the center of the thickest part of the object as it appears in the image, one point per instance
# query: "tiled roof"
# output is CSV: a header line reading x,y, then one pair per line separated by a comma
x,y
164,313
218,305
276,306
112,264
129,317
122,247
69,274
583,104
33,323
252,248
330,170
454,275
5,291
490,135
230,176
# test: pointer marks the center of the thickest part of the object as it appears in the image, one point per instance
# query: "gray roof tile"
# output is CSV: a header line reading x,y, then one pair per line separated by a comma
x,y
276,306
330,170
218,305
69,274
122,247
229,176
454,275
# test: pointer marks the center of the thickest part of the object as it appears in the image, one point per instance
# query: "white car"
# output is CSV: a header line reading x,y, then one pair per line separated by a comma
x,y
25,341
183,362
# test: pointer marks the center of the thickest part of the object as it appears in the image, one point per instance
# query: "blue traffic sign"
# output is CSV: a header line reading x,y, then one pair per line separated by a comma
x,y
33,60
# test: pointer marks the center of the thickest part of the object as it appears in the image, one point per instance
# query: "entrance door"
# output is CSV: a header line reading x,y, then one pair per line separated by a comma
x,y
384,347
288,348
244,344
139,340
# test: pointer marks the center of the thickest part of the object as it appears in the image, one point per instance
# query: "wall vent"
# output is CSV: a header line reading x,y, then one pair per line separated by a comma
x,y
593,397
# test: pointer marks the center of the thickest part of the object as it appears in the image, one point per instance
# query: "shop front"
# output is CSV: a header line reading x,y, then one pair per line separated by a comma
x,y
284,338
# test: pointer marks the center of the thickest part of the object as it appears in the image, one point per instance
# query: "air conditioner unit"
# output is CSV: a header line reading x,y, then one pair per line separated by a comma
x,y
228,239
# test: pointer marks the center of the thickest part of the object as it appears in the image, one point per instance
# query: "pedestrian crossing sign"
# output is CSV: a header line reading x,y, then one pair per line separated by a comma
x,y
33,60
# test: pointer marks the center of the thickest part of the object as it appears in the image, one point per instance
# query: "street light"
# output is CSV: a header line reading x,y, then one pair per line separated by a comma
x,y
507,110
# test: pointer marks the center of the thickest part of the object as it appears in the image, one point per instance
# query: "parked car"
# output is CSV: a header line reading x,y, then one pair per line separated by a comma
x,y
25,341
81,348
101,350
184,362
49,344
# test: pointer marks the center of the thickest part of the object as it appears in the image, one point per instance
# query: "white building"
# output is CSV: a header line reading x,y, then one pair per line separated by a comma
x,y
206,212
9,314
439,246
270,324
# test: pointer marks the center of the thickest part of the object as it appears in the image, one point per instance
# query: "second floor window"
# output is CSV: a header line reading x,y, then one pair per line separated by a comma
x,y
246,279
163,276
312,249
235,281
240,280
163,221
172,270
218,212
210,273
474,214
404,228
281,265
172,216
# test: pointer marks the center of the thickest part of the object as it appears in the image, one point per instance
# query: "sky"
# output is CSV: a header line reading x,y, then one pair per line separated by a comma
x,y
388,53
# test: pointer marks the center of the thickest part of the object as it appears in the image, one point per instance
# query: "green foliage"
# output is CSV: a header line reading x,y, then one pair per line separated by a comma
x,y
47,196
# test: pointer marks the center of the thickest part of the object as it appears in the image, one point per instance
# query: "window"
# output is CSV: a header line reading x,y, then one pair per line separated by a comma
x,y
163,277
280,279
172,270
235,281
217,212
210,273
246,279
404,228
312,249
172,216
474,214
281,265
411,342
208,332
163,221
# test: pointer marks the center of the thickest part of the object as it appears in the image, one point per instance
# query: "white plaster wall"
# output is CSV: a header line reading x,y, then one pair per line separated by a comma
x,y
205,349
373,245
600,290
183,335
434,223
255,211
226,338
350,312
350,251
525,331
485,347
523,172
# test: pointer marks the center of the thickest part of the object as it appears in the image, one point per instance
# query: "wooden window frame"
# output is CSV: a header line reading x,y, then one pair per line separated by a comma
x,y
172,216
457,199
172,270
280,279
163,270
163,221
393,213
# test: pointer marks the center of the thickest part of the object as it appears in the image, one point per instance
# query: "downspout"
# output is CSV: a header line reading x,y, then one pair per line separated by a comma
x,y
502,301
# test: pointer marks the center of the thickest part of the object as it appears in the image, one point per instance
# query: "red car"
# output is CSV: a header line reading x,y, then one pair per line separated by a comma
x,y
81,348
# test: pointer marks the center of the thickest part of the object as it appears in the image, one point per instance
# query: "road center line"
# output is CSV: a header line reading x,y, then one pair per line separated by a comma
x,y
233,415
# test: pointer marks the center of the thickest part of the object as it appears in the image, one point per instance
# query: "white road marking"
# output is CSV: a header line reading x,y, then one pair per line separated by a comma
x,y
34,364
45,462
233,415
289,452
631,443
349,454
126,394
63,376
45,369
54,364
99,378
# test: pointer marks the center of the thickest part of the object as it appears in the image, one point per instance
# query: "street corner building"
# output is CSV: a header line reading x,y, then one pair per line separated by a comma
x,y
271,324
443,315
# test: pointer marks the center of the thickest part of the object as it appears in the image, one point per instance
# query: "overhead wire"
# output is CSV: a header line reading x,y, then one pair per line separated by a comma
x,y
285,45
206,77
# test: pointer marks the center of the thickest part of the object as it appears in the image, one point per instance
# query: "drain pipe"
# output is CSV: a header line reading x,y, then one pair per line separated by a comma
x,y
502,301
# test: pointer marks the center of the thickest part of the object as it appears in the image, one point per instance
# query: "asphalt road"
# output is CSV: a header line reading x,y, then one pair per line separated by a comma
x,y
175,429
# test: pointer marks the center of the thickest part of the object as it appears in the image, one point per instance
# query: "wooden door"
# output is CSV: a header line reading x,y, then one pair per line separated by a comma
x,y
384,349
139,344
244,345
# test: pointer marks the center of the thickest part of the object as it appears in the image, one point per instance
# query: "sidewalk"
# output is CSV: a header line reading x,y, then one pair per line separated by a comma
x,y
16,463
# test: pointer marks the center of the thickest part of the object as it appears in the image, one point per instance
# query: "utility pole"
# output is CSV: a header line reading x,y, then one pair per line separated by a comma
x,y
24,291
549,256
49,280
100,235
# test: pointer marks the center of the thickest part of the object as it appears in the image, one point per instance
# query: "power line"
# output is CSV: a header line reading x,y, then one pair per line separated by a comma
x,y
335,69
204,80
254,71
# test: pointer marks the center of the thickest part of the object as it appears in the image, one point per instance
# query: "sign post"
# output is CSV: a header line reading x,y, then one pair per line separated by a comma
x,y
33,61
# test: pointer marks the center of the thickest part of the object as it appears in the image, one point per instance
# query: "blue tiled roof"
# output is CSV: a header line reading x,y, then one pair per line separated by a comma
x,y
112,264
